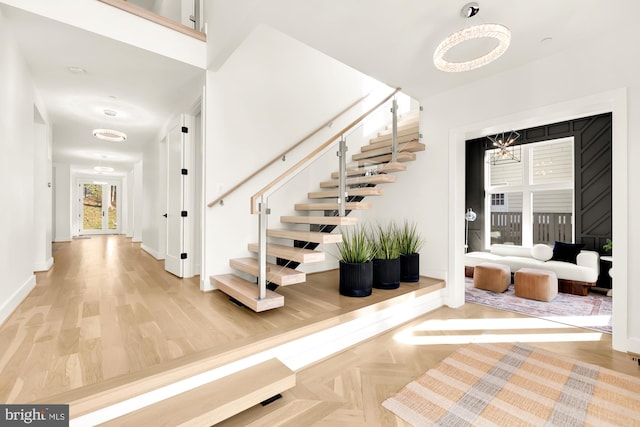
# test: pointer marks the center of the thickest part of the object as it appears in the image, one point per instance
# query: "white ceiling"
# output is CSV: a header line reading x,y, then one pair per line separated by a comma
x,y
142,87
394,40
390,40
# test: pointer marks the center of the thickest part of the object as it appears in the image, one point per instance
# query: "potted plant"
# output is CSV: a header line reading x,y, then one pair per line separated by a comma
x,y
356,252
386,262
410,244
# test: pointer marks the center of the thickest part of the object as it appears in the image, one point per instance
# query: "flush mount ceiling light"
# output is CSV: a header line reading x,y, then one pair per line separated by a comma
x,y
103,169
494,31
110,135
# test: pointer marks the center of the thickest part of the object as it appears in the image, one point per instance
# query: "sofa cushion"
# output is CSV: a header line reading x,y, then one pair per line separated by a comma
x,y
542,252
566,251
510,250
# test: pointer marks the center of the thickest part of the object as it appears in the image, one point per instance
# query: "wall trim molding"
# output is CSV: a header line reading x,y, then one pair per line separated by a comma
x,y
43,266
12,303
151,252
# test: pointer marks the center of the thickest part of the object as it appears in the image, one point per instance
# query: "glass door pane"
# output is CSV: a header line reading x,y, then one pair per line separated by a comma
x,y
506,218
92,207
113,208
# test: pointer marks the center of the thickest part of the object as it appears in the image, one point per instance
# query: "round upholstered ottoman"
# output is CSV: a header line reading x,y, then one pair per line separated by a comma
x,y
536,284
492,277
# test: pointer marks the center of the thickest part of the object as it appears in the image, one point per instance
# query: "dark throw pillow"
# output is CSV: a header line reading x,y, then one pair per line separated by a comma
x,y
566,251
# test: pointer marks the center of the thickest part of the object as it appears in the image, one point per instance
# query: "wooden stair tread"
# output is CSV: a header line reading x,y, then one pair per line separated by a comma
x,y
214,402
364,192
300,255
247,292
370,179
305,236
403,129
373,145
320,220
381,168
411,146
278,274
403,156
351,206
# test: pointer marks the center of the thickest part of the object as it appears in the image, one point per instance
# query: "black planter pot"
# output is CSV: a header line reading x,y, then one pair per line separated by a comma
x,y
410,268
356,279
386,273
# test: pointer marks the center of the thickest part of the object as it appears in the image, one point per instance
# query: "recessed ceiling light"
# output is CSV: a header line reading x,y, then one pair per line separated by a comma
x,y
110,113
77,70
103,168
110,135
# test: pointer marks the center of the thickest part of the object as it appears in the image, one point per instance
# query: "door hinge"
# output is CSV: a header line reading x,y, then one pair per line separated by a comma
x,y
183,213
185,129
185,172
183,256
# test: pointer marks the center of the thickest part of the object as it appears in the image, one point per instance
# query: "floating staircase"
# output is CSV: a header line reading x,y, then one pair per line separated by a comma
x,y
372,167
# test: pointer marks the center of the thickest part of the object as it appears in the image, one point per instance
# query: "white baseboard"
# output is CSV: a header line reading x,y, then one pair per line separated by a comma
x,y
63,239
151,252
7,307
44,266
205,285
296,354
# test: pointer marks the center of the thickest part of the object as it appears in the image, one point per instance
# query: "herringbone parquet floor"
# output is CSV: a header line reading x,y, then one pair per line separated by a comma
x,y
348,389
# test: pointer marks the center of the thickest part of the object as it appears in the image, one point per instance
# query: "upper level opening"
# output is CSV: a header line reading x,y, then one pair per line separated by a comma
x,y
183,16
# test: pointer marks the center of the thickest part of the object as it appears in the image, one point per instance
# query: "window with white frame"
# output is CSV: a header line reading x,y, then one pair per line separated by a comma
x,y
531,201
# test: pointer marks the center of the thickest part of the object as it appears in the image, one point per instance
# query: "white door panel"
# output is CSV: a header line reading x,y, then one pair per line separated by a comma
x,y
174,263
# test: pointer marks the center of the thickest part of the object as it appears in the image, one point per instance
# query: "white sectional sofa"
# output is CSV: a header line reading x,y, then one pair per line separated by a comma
x,y
572,278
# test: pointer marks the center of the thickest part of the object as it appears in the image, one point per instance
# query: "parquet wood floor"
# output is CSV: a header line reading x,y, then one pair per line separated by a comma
x,y
348,388
107,313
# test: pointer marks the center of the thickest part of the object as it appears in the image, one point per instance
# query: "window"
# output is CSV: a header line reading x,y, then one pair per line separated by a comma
x,y
531,201
497,199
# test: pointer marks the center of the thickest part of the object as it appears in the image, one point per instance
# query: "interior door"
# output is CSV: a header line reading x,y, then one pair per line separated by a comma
x,y
98,208
174,261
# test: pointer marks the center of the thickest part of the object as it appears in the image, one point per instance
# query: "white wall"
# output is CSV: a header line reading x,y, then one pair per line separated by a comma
x,y
138,202
114,23
62,195
152,210
584,81
16,175
271,92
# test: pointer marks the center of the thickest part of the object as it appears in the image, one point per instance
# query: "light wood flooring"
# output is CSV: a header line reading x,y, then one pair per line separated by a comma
x,y
107,314
107,311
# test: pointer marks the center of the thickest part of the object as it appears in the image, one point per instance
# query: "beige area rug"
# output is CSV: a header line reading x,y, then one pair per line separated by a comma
x,y
517,385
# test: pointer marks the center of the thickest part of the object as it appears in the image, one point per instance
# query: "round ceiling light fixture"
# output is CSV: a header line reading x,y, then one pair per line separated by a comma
x,y
110,135
494,31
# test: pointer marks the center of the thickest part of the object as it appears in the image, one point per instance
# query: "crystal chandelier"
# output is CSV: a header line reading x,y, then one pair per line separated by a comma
x,y
505,150
495,31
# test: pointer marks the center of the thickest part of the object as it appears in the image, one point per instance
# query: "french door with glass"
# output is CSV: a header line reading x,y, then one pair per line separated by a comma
x,y
99,208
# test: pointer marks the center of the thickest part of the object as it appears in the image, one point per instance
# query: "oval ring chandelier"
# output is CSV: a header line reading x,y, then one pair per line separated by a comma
x,y
496,31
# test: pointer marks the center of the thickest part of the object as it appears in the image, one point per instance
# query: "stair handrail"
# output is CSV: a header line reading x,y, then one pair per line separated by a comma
x,y
316,152
288,150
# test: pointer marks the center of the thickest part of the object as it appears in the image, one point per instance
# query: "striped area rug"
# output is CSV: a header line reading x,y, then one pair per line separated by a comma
x,y
517,385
